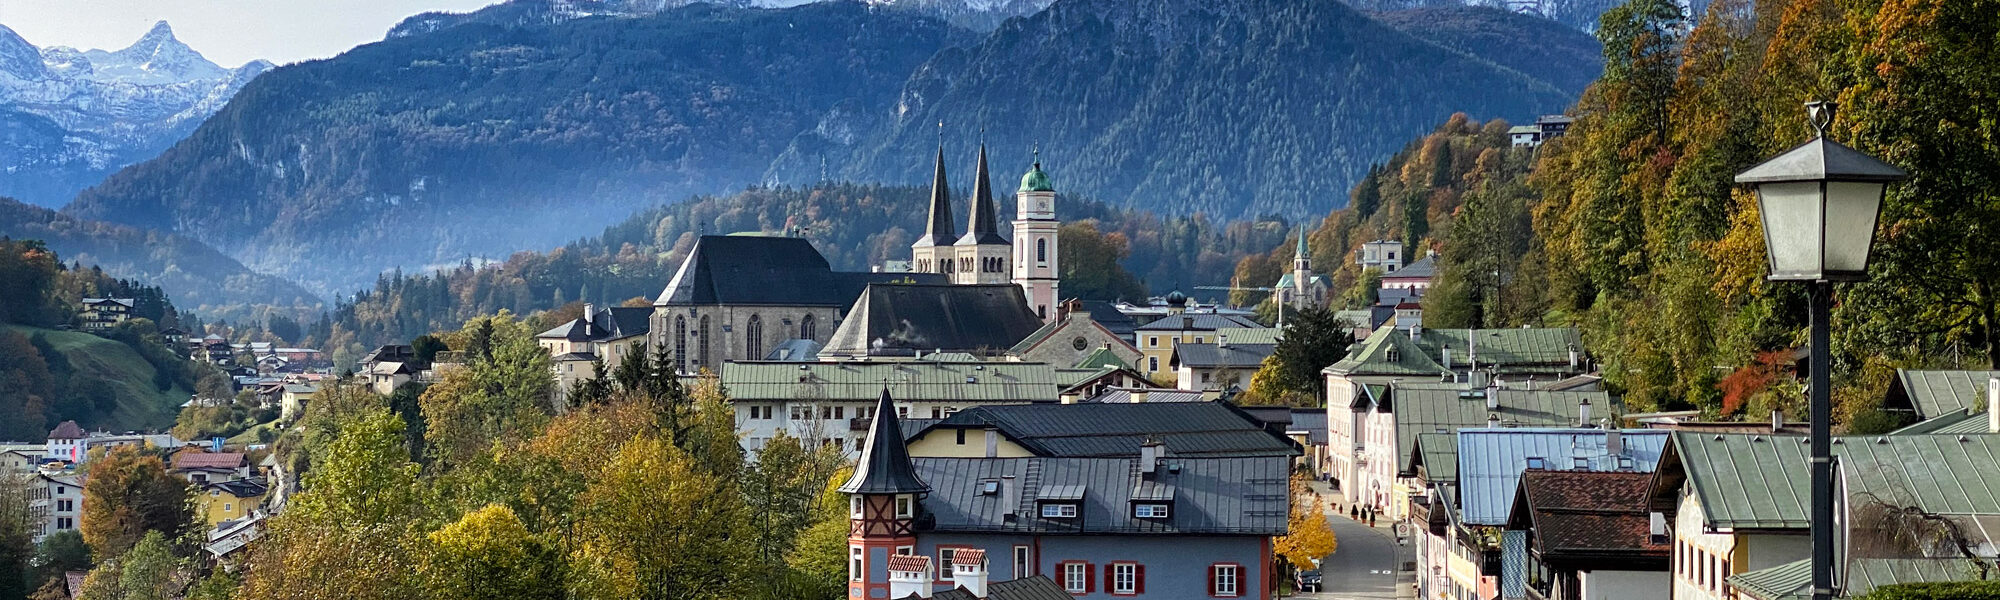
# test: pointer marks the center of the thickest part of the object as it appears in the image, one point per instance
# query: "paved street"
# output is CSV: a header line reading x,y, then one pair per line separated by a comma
x,y
1364,566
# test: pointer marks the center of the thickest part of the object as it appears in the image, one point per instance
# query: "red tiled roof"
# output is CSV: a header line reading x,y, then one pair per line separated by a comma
x,y
208,460
68,430
1594,512
907,563
968,556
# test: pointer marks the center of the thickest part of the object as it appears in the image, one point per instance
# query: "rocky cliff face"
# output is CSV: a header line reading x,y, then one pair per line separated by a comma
x,y
74,116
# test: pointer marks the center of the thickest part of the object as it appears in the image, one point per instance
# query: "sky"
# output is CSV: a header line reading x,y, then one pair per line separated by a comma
x,y
227,32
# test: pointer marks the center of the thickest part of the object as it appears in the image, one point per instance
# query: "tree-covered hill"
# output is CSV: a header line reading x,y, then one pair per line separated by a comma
x,y
483,140
1539,48
200,277
1232,108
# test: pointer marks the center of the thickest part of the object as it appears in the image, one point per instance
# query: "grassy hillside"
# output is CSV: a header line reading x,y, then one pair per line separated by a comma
x,y
140,405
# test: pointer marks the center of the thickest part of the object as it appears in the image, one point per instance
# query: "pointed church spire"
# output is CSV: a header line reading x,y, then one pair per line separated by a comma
x,y
939,231
983,225
1302,252
885,466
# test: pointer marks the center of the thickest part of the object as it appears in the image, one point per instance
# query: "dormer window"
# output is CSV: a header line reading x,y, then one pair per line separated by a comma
x,y
1150,511
1059,510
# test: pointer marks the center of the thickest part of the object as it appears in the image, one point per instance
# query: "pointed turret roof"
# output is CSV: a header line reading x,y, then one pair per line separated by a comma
x,y
1302,251
983,225
885,466
939,231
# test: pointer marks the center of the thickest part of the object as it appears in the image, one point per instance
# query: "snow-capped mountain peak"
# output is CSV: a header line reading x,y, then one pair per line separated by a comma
x,y
157,58
19,59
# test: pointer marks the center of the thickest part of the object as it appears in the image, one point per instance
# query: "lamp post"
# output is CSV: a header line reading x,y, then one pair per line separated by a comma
x,y
1819,203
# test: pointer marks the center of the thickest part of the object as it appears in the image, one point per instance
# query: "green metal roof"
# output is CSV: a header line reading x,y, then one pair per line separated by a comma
x,y
1793,580
916,381
1531,350
1436,409
1035,180
1068,378
1963,421
1748,481
1250,335
1102,358
1935,393
1439,453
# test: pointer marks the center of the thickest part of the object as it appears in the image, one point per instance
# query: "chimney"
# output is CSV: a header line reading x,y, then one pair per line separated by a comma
x,y
1492,419
1575,359
1010,495
1659,528
589,318
1138,396
1492,397
1070,397
1221,340
1993,404
1444,356
910,575
968,570
1778,416
1614,441
1149,456
1583,413
992,443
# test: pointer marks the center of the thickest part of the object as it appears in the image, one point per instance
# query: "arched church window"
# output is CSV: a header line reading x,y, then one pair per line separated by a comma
x,y
702,344
808,328
680,344
753,338
1042,251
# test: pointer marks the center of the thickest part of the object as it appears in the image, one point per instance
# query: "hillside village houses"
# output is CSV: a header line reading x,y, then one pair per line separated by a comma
x,y
99,314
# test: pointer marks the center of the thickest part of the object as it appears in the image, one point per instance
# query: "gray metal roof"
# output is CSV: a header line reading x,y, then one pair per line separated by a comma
x,y
1225,496
1312,421
1209,356
1160,396
741,270
1038,587
1439,409
908,381
911,319
1199,322
607,323
1438,455
1490,462
884,466
1086,430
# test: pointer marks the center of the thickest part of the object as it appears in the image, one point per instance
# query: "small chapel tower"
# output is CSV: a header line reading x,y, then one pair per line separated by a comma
x,y
1035,225
934,252
882,506
982,253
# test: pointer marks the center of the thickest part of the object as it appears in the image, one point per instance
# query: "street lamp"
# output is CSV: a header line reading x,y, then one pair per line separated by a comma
x,y
1819,203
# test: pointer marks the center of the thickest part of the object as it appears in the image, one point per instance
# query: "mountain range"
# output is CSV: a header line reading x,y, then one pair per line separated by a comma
x,y
70,117
487,136
979,15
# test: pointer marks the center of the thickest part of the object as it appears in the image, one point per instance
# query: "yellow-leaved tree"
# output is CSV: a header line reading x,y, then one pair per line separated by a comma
x,y
1310,537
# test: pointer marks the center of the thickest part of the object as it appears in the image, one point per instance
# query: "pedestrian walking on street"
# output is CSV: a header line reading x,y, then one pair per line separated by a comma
x,y
1354,513
1371,518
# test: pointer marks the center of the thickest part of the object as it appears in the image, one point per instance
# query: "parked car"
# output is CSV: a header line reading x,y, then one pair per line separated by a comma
x,y
1306,581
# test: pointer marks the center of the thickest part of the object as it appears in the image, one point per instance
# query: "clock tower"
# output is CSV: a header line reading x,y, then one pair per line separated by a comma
x,y
1035,265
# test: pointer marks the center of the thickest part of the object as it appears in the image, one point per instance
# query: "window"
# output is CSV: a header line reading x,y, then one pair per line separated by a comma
x,y
854,506
1076,577
1152,341
944,563
961,436
902,412
1059,511
65,505
701,344
753,338
801,413
1125,579
808,328
1042,252
1223,580
65,523
1152,363
854,571
1022,562
226,507
681,343
1149,511
904,506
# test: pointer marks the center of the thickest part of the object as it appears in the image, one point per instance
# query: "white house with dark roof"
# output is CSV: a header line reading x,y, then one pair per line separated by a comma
x,y
98,314
607,333
1221,366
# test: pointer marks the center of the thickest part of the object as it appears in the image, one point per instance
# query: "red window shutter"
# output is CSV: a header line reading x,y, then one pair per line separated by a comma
x,y
1211,581
1110,579
1140,574
1089,579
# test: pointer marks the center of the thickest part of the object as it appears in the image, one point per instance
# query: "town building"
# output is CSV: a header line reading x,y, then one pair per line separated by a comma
x,y
1224,366
1158,338
829,402
609,334
222,501
98,314
906,320
982,255
1382,255
68,443
293,398
1207,429
1036,262
1151,525
55,503
202,468
1545,128
1590,536
1387,426
1414,278
1071,338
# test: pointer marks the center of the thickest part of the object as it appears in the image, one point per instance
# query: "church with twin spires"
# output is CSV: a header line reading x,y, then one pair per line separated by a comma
x,y
982,255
